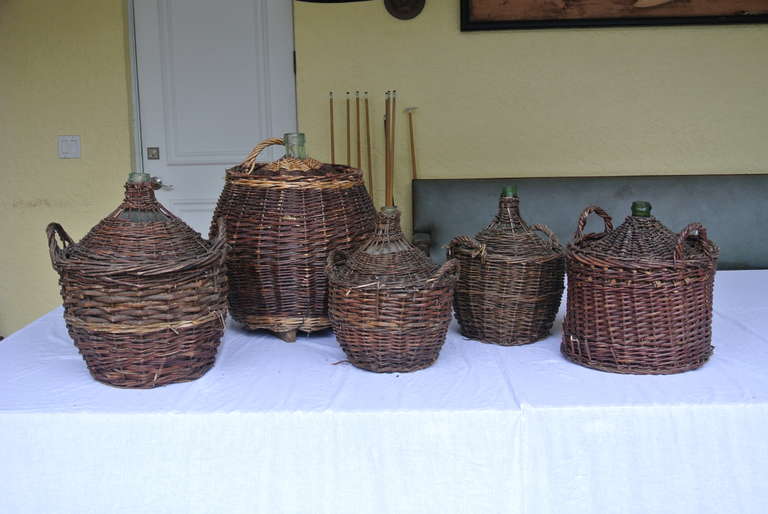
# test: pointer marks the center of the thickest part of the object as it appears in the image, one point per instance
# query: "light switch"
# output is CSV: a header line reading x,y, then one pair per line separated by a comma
x,y
69,147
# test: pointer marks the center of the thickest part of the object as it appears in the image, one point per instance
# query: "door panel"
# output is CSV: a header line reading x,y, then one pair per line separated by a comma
x,y
214,79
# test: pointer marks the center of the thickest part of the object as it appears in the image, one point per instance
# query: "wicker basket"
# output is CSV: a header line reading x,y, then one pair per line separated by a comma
x,y
144,294
639,296
510,280
389,303
283,218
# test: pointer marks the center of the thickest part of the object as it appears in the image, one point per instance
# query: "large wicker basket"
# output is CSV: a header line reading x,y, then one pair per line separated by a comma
x,y
389,303
283,218
639,296
510,279
144,294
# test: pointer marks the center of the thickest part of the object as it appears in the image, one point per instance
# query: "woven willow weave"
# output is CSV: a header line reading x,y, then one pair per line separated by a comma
x,y
144,294
389,303
283,218
510,280
639,296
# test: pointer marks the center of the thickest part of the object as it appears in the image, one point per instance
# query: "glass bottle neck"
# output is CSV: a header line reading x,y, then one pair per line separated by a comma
x,y
508,216
294,145
641,209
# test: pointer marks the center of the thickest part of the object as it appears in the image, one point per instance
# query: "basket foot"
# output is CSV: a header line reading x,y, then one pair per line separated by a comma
x,y
288,337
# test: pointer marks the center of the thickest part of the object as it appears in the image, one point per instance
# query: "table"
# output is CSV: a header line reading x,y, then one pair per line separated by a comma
x,y
285,428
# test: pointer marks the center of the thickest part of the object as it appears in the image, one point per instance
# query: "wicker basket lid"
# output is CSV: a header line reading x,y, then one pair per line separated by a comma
x,y
139,230
643,238
509,235
386,259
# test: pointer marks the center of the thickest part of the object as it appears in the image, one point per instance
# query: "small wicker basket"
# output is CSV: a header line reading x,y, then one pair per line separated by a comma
x,y
283,218
510,280
639,296
144,294
389,303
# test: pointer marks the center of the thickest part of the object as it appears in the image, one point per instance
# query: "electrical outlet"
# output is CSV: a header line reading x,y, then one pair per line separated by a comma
x,y
69,147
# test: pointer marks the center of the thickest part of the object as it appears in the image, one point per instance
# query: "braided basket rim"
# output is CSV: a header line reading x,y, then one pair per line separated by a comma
x,y
341,172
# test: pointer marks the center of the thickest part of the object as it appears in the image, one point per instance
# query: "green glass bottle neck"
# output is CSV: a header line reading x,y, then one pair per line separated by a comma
x,y
509,191
641,209
295,145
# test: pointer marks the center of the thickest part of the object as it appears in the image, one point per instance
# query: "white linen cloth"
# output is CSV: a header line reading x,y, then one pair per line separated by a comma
x,y
284,428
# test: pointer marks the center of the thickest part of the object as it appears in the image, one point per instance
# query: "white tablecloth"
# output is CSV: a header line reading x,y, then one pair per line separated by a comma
x,y
284,428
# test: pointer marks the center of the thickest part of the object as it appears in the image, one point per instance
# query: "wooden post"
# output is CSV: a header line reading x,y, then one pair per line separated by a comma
x,y
387,141
392,148
410,110
357,130
349,142
333,142
368,145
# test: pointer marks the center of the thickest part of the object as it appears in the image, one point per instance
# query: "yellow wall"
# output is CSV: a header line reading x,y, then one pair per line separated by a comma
x,y
540,102
62,71
547,102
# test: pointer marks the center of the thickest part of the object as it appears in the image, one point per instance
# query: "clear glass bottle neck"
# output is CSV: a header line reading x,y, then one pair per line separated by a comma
x,y
294,145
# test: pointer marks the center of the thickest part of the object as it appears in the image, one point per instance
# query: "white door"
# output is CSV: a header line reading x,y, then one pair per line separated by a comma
x,y
214,78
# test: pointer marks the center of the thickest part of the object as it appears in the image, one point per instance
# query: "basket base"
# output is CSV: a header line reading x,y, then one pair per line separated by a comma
x,y
288,336
144,361
375,368
154,382
285,328
385,351
486,339
583,360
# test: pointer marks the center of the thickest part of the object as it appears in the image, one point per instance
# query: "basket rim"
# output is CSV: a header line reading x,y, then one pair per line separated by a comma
x,y
443,277
557,253
427,284
344,171
574,252
104,268
63,262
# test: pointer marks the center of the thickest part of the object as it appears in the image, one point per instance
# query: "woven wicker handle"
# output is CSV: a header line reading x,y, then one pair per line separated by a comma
x,y
449,268
335,259
698,231
220,237
554,242
56,251
579,235
476,249
250,160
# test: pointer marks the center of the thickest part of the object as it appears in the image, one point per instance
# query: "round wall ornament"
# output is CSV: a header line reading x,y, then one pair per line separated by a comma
x,y
404,9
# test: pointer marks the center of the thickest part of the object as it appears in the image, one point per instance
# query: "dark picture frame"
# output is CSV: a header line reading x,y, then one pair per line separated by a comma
x,y
468,23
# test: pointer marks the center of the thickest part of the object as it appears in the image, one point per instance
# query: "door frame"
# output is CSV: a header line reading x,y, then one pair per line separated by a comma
x,y
137,145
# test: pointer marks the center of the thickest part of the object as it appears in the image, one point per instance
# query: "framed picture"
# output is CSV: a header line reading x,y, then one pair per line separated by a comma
x,y
532,14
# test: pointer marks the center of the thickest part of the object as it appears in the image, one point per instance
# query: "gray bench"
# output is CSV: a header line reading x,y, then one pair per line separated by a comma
x,y
734,208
